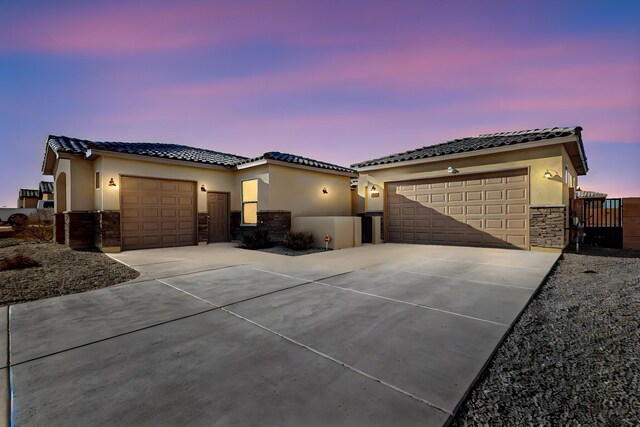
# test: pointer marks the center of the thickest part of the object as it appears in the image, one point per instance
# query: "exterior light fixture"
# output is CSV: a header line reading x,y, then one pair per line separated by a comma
x,y
112,183
549,175
374,189
202,188
451,169
324,191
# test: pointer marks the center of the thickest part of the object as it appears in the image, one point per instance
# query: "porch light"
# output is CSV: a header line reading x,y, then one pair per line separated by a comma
x,y
324,191
549,175
112,183
451,169
374,189
202,188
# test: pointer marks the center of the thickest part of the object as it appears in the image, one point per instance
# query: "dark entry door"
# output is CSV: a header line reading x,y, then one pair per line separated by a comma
x,y
218,206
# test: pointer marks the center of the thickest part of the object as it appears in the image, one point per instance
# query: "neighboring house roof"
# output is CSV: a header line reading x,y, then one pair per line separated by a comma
x,y
64,144
590,195
292,158
167,151
46,187
479,142
25,192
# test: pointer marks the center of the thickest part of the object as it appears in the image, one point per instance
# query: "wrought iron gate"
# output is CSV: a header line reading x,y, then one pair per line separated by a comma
x,y
603,222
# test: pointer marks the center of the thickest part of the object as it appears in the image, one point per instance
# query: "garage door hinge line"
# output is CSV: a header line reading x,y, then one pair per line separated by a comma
x,y
504,285
414,304
339,362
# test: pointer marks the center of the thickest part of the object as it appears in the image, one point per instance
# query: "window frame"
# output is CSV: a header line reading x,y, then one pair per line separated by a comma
x,y
247,202
98,180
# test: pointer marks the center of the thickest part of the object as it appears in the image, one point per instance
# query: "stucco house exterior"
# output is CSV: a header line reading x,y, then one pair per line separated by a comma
x,y
507,190
119,196
28,198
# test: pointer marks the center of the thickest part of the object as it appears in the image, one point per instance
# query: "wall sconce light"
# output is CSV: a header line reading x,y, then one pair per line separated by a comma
x,y
549,175
324,191
374,189
202,188
452,170
112,183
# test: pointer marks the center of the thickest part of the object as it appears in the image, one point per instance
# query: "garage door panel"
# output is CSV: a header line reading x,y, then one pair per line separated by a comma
x,y
157,213
489,209
516,194
494,209
516,209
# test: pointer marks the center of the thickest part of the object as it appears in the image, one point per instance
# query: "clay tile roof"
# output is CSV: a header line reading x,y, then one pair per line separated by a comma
x,y
46,187
25,192
292,158
480,142
590,195
166,151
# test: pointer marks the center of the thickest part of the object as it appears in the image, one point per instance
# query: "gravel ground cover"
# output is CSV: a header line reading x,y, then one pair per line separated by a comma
x,y
63,271
573,358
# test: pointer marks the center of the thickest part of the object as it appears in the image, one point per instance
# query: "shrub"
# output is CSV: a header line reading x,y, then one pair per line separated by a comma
x,y
299,240
17,262
256,239
37,228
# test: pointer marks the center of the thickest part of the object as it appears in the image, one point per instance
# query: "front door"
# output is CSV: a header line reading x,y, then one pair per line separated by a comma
x,y
218,204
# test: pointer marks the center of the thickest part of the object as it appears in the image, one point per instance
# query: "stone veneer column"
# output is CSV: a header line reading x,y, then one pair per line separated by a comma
x,y
79,229
275,222
59,228
203,227
547,226
107,231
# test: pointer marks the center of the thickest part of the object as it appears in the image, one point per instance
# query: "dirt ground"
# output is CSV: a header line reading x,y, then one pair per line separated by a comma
x,y
573,358
63,271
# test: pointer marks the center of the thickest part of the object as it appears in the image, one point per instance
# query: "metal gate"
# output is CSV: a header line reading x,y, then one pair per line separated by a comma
x,y
603,222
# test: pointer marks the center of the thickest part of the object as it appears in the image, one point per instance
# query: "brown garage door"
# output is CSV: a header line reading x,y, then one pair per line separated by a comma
x,y
157,213
475,210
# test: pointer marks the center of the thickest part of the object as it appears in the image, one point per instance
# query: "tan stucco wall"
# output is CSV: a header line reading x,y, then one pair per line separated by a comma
x,y
344,231
111,167
300,192
542,191
279,188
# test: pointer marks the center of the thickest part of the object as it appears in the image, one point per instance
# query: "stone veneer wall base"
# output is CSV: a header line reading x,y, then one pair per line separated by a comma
x,y
547,226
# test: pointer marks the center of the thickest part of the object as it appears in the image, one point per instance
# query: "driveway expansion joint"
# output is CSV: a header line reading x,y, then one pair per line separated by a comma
x,y
341,363
504,285
413,304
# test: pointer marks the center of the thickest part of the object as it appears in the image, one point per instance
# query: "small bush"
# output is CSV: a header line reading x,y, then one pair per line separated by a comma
x,y
17,262
256,239
298,240
37,229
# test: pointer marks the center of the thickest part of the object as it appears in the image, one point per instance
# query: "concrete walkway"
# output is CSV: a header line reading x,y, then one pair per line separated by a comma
x,y
215,335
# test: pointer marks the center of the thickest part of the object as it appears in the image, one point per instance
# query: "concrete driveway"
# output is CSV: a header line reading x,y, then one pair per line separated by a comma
x,y
215,335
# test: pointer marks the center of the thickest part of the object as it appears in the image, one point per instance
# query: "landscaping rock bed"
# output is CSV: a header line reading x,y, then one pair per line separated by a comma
x,y
573,358
62,271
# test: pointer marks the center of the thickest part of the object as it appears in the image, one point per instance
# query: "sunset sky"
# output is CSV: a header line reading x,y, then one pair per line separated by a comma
x,y
340,81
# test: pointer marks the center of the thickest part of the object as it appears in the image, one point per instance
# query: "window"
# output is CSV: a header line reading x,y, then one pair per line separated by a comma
x,y
250,201
97,180
566,174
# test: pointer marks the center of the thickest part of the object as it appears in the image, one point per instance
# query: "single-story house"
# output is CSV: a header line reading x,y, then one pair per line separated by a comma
x,y
28,198
120,195
507,190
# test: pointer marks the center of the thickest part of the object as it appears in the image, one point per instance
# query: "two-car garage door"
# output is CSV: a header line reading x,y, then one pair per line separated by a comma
x,y
477,210
157,213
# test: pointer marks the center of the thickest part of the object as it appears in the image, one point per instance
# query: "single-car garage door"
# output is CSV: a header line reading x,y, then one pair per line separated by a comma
x,y
157,213
475,210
